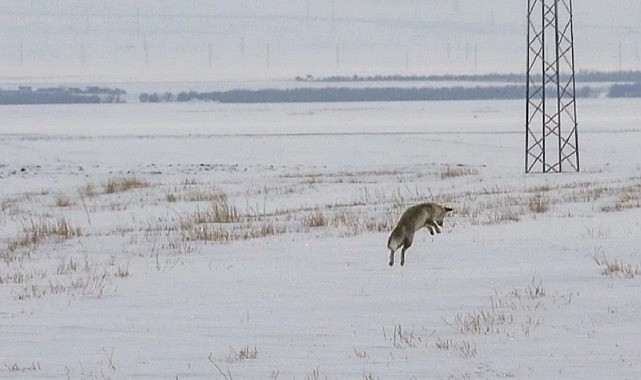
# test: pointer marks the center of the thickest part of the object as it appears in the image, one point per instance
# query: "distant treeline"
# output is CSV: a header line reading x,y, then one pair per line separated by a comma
x,y
61,95
632,90
582,76
346,94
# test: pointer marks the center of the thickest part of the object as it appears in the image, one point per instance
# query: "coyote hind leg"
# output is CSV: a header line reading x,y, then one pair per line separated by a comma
x,y
391,257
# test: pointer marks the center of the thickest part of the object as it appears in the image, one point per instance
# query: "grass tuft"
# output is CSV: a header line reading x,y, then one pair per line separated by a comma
x,y
315,219
206,196
464,349
62,201
404,338
226,234
245,353
483,322
457,171
36,232
220,212
539,204
117,185
14,367
616,268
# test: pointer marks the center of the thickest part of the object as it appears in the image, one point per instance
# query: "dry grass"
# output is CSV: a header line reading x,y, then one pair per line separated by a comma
x,y
501,215
116,185
631,196
360,354
15,368
206,196
9,207
62,200
483,322
596,232
72,277
374,207
510,312
223,234
625,198
203,232
533,291
245,353
616,267
33,233
122,271
223,212
403,337
233,356
69,266
89,190
539,204
501,204
315,219
379,224
219,212
18,275
464,349
457,171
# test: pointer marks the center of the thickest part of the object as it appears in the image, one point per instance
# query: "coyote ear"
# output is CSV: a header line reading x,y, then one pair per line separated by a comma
x,y
447,209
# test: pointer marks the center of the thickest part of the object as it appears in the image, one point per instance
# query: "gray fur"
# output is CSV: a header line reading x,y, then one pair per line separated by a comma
x,y
428,215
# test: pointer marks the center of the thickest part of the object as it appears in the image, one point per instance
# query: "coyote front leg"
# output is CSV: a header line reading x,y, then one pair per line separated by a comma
x,y
432,227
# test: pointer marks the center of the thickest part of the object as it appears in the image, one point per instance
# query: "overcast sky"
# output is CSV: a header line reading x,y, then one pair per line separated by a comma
x,y
198,40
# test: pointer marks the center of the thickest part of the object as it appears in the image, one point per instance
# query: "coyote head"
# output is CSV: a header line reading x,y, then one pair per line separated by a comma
x,y
441,214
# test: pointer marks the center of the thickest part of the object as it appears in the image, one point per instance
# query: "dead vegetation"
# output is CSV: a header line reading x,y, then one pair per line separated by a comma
x,y
371,204
35,232
73,276
221,234
245,353
514,312
316,219
624,198
62,200
374,209
218,212
116,185
458,171
616,267
482,321
539,204
462,348
401,337
16,368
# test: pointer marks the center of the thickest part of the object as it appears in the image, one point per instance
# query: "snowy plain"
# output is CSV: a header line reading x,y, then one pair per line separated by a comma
x,y
204,240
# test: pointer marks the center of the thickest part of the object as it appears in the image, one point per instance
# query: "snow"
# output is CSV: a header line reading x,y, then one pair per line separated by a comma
x,y
134,297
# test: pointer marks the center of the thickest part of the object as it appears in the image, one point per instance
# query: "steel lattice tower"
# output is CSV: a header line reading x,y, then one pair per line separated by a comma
x,y
551,98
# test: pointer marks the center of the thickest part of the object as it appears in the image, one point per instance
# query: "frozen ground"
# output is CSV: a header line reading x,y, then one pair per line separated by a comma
x,y
227,241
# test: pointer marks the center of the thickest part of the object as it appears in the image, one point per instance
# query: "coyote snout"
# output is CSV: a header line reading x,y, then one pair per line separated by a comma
x,y
428,215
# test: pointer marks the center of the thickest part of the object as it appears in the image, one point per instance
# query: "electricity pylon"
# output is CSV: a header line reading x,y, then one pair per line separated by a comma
x,y
551,139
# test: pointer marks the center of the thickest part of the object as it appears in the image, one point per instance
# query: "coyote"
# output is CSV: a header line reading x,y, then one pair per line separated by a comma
x,y
428,215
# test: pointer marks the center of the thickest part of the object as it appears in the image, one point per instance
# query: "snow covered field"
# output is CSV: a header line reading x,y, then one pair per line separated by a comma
x,y
248,241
